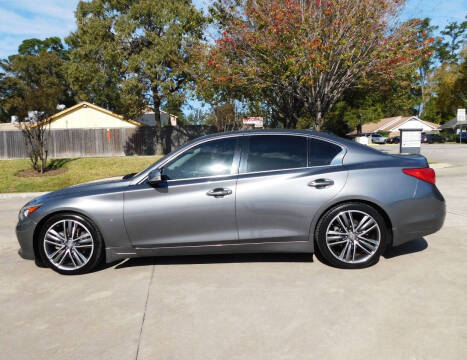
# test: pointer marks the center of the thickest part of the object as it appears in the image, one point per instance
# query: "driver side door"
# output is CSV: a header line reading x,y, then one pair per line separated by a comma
x,y
194,206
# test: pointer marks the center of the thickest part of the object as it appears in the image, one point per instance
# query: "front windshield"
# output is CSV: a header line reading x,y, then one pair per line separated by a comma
x,y
150,166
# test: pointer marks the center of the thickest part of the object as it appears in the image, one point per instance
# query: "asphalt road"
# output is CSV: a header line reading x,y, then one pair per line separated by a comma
x,y
411,305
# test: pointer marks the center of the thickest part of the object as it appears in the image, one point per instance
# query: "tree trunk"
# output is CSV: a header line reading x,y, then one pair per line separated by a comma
x,y
159,149
318,121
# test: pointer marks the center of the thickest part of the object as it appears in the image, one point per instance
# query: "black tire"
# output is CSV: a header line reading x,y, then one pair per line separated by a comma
x,y
327,218
96,254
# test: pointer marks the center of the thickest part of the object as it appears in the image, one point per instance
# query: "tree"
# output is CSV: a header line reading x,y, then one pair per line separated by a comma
x,y
301,55
447,87
35,86
448,51
36,46
173,106
128,54
224,118
370,101
426,62
15,66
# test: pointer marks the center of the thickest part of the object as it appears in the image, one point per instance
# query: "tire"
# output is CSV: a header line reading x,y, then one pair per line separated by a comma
x,y
334,236
77,252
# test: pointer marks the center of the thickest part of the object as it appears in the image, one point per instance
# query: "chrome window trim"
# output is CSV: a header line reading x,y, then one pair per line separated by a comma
x,y
339,156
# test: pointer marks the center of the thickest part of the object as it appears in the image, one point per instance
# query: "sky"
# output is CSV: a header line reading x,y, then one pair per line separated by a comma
x,y
24,19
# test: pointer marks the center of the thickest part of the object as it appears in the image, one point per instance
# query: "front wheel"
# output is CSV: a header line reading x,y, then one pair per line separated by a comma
x,y
70,244
352,235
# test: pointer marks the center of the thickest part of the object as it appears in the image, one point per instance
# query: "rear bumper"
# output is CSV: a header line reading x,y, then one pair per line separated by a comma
x,y
25,236
421,216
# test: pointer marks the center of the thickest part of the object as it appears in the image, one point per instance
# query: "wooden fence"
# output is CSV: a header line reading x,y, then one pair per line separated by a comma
x,y
102,142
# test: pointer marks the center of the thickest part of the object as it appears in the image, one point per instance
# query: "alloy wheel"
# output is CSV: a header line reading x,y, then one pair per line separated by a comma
x,y
353,236
68,244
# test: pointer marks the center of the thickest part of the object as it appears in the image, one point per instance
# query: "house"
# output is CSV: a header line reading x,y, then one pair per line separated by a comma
x,y
393,125
455,125
89,116
148,119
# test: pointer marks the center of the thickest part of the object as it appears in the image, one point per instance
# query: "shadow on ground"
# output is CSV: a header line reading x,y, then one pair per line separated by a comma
x,y
215,259
404,249
407,248
58,163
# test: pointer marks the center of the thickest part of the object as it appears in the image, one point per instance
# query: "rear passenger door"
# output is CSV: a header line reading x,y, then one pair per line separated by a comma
x,y
283,180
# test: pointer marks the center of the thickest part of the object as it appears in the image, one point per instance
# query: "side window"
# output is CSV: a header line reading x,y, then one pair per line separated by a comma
x,y
208,159
322,152
275,152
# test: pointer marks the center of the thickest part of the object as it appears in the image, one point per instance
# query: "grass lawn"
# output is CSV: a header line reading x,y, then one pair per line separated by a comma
x,y
79,170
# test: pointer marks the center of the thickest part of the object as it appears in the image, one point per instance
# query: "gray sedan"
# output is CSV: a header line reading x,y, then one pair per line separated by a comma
x,y
252,191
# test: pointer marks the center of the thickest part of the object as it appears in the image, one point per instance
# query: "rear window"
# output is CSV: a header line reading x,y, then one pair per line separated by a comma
x,y
276,152
322,152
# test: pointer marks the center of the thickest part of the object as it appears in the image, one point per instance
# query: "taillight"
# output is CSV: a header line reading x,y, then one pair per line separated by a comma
x,y
425,174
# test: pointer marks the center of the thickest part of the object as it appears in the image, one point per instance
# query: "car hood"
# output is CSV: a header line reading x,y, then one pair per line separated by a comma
x,y
84,189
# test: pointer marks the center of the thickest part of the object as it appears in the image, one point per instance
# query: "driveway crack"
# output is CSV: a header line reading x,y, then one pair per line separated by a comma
x,y
144,312
456,213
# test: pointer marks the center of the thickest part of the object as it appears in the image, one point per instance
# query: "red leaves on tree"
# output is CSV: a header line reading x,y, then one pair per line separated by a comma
x,y
288,45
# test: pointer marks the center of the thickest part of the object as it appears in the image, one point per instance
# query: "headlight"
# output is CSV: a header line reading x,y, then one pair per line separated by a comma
x,y
27,210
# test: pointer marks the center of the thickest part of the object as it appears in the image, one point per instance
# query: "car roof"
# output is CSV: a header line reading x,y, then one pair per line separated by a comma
x,y
272,131
325,136
354,150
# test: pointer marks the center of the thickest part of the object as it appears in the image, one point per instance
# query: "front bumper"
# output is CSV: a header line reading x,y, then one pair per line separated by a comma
x,y
25,235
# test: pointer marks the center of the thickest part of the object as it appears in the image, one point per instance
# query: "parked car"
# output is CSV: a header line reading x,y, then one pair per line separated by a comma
x,y
378,138
462,136
432,138
249,191
394,140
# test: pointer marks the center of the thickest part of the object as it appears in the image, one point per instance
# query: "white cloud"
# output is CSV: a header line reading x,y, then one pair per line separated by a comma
x,y
9,45
13,24
63,9
23,19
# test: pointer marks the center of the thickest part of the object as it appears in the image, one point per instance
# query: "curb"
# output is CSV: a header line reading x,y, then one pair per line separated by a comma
x,y
6,196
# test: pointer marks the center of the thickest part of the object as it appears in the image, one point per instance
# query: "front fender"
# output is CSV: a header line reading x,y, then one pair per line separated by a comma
x,y
104,210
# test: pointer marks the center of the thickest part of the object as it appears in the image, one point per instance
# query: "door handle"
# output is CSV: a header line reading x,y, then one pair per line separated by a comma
x,y
219,192
321,183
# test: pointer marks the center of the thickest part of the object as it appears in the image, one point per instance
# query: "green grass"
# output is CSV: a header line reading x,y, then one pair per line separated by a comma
x,y
79,170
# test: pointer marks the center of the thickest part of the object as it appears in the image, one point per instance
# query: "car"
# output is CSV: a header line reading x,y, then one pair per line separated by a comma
x,y
293,191
394,140
377,138
432,138
462,136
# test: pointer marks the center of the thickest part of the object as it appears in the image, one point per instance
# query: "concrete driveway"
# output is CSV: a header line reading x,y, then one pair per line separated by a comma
x,y
411,305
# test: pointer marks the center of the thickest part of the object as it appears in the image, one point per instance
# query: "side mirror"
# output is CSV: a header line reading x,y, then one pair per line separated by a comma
x,y
155,177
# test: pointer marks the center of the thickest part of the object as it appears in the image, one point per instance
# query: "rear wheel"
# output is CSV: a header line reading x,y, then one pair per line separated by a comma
x,y
70,244
352,236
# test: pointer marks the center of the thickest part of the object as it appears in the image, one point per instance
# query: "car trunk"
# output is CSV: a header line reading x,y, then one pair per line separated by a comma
x,y
412,160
